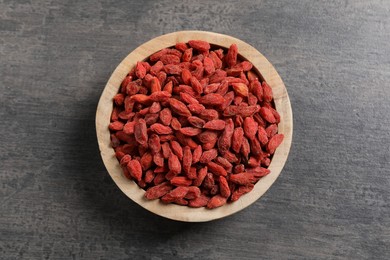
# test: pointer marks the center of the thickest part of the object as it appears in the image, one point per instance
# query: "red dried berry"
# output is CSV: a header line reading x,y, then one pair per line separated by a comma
x,y
135,169
216,201
202,46
188,110
274,142
158,191
216,124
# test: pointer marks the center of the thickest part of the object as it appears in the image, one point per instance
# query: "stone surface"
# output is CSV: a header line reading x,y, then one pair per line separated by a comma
x,y
331,200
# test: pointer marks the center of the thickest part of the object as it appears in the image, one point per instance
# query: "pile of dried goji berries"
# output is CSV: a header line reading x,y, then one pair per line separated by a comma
x,y
193,125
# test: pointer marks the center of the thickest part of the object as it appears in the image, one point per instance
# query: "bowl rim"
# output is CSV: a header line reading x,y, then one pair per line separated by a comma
x,y
172,211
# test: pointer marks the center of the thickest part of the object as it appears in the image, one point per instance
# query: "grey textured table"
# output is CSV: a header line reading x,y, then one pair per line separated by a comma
x,y
331,200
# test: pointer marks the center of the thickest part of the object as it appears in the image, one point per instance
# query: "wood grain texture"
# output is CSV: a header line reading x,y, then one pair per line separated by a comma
x,y
332,199
172,211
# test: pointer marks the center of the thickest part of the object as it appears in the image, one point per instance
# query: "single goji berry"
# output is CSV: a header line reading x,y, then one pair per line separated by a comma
x,y
216,169
158,191
161,129
187,159
140,70
274,142
180,181
198,202
135,169
208,156
216,201
199,45
231,57
178,107
196,121
166,116
216,124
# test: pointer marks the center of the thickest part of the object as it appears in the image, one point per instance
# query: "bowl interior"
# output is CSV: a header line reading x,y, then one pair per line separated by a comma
x,y
261,65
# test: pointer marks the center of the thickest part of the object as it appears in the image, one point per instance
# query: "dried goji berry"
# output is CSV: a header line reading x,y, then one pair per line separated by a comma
x,y
174,164
237,139
197,154
158,191
172,69
155,85
250,128
216,201
187,98
262,135
274,142
196,121
116,126
209,145
187,55
161,129
208,65
190,131
187,159
180,181
190,109
135,169
192,173
199,202
240,89
267,115
168,87
140,70
146,161
170,59
231,57
202,172
216,169
181,46
224,187
208,156
175,124
199,45
196,85
158,159
156,56
177,149
216,124
154,143
156,68
140,132
267,92
212,99
209,114
216,60
178,107
166,116
196,108
166,150
225,163
159,96
241,191
218,76
211,88
224,142
208,136
243,178
193,193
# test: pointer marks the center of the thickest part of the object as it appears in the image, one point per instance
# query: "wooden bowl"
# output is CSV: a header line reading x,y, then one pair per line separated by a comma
x,y
172,211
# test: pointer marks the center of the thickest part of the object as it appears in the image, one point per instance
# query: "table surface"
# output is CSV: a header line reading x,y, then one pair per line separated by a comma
x,y
331,200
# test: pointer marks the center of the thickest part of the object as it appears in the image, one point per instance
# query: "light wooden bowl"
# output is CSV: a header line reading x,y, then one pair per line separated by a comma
x,y
172,211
